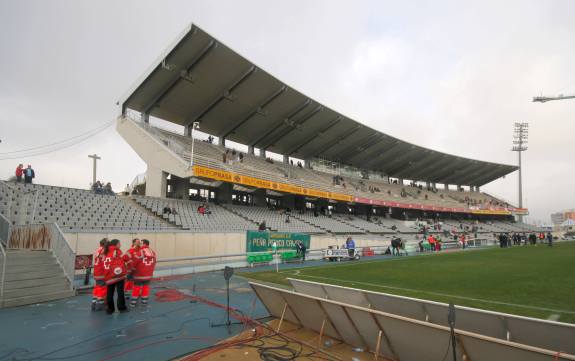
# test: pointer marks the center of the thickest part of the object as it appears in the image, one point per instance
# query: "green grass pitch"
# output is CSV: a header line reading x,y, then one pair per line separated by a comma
x,y
535,281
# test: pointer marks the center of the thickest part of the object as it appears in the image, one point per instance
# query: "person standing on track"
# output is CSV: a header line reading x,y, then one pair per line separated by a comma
x,y
129,256
144,265
115,273
99,290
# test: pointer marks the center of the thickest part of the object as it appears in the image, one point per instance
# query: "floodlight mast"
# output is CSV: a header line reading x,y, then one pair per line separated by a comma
x,y
520,136
543,99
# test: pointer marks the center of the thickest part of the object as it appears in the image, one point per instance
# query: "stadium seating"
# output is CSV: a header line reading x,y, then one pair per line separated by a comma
x,y
74,210
212,155
188,217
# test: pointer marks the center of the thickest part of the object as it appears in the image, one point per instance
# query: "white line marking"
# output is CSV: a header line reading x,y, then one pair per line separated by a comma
x,y
439,294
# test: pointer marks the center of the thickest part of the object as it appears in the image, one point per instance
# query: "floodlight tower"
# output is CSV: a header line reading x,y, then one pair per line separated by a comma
x,y
520,135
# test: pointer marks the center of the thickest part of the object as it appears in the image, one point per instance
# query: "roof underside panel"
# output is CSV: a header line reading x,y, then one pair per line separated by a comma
x,y
201,80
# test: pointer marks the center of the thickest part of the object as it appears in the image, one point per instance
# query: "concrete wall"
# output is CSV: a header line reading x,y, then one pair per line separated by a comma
x,y
179,244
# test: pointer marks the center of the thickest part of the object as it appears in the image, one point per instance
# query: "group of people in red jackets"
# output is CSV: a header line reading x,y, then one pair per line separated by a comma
x,y
126,274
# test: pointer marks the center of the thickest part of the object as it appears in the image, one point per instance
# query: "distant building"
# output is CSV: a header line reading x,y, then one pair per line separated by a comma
x,y
560,217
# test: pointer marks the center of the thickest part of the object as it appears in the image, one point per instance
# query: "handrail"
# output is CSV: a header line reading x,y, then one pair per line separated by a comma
x,y
3,277
5,227
64,254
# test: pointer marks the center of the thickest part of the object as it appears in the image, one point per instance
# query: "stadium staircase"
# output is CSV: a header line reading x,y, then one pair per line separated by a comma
x,y
167,221
239,214
33,277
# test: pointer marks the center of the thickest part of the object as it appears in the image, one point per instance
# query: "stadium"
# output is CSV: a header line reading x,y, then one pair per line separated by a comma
x,y
269,182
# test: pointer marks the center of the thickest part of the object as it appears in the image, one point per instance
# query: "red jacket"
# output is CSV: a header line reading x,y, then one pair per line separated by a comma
x,y
144,264
99,271
130,257
19,172
115,266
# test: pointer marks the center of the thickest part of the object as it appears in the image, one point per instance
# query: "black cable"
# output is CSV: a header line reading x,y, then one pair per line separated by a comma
x,y
105,125
448,347
48,151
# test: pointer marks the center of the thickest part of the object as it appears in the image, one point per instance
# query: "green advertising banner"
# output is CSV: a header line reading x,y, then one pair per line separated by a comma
x,y
262,241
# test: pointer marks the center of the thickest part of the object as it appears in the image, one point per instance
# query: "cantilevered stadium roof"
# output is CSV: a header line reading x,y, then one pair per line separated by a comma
x,y
199,79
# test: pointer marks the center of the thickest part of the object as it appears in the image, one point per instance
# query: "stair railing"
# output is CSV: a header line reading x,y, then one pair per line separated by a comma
x,y
63,252
5,227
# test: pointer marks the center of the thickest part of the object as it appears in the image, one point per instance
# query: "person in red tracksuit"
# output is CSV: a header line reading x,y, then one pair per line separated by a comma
x,y
116,267
99,291
129,284
144,264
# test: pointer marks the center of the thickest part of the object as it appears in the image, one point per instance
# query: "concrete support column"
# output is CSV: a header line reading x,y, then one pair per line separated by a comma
x,y
458,187
262,153
477,189
446,186
156,184
224,193
400,181
434,185
427,184
259,197
251,149
145,117
222,142
288,201
306,163
286,159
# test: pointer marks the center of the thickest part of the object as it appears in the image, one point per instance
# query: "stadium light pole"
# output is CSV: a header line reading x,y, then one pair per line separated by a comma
x,y
520,136
95,158
195,125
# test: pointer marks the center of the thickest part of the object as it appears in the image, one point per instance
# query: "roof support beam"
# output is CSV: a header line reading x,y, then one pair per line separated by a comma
x,y
491,176
401,162
293,125
259,109
358,146
226,94
316,135
353,155
421,174
383,158
183,74
335,142
439,174
285,120
426,161
377,153
459,175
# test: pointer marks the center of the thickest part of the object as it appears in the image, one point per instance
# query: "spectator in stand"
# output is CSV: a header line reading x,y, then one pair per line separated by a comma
x,y
166,210
127,190
173,210
29,174
19,172
202,209
262,227
108,189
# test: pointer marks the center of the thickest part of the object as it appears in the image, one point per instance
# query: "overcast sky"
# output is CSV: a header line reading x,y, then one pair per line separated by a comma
x,y
449,75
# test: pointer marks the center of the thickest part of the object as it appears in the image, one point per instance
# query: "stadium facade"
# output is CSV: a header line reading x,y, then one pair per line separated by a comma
x,y
198,82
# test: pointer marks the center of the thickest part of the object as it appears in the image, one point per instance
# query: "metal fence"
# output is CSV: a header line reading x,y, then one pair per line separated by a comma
x,y
63,252
525,330
389,335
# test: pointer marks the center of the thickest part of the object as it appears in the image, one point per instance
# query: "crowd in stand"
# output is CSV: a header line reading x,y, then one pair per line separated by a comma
x,y
229,157
101,188
24,173
128,275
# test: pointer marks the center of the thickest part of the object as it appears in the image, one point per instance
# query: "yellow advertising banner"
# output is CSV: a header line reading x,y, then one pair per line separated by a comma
x,y
491,211
222,175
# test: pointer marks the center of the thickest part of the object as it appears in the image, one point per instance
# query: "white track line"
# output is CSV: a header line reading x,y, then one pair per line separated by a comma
x,y
438,294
